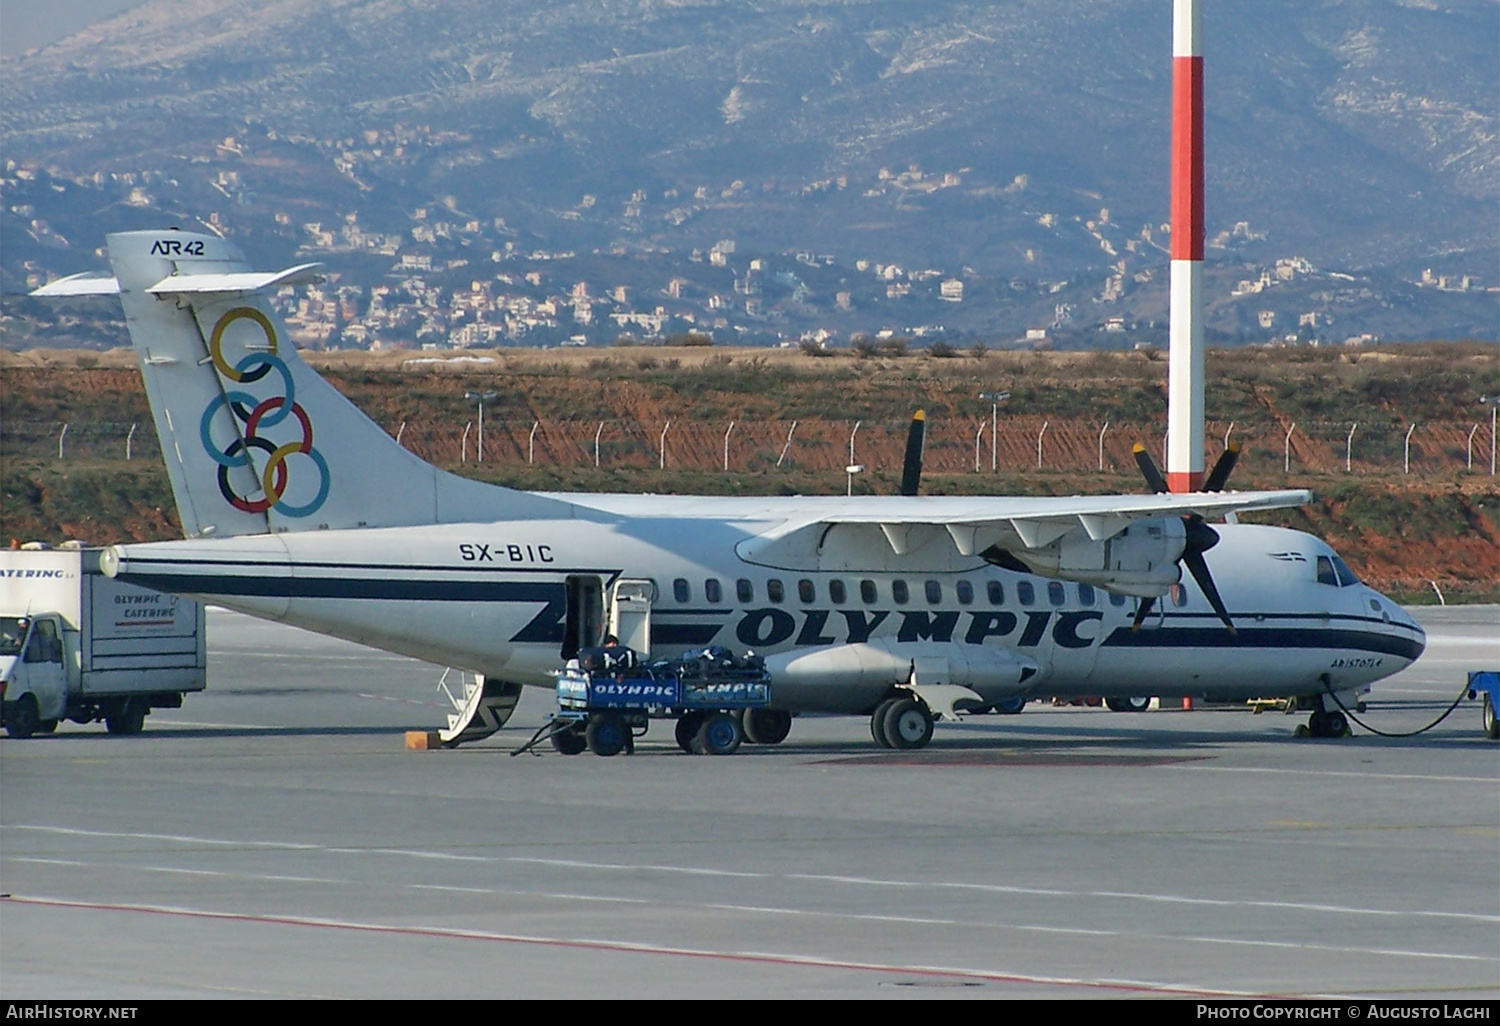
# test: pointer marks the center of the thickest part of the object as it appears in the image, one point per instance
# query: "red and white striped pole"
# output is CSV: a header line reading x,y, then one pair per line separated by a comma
x,y
1185,370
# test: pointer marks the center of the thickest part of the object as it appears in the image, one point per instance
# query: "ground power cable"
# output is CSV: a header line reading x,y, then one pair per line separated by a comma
x,y
1411,733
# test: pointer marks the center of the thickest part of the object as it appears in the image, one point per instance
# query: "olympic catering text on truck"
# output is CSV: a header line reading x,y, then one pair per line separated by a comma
x,y
77,645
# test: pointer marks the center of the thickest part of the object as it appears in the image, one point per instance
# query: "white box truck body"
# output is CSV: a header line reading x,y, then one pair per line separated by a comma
x,y
77,645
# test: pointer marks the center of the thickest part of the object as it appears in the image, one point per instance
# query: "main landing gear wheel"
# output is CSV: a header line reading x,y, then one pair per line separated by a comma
x,y
1009,706
687,731
767,726
1135,703
571,740
607,734
907,724
877,722
719,735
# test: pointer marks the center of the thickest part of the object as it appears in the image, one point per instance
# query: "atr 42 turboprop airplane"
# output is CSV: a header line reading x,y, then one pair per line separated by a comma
x,y
296,507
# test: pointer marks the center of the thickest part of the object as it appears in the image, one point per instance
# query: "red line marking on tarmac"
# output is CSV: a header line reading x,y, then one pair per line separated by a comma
x,y
626,947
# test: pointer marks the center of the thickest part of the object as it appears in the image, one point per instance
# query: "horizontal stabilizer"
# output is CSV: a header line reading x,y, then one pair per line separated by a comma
x,y
237,281
89,283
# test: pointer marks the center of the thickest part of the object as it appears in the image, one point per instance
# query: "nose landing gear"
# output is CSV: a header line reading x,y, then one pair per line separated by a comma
x,y
1325,724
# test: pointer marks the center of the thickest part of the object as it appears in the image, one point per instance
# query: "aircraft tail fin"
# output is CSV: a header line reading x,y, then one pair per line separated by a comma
x,y
254,440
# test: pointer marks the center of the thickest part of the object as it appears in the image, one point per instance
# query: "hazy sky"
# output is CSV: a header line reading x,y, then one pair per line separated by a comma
x,y
28,23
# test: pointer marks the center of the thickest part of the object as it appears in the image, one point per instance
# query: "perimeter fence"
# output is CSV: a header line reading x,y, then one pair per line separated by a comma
x,y
1437,448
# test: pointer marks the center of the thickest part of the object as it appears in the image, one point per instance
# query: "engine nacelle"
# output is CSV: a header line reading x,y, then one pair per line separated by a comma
x,y
1140,560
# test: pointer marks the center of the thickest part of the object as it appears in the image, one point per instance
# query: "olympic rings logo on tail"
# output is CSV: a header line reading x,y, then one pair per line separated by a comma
x,y
256,417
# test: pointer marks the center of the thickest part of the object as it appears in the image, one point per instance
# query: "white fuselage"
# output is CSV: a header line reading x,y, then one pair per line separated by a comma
x,y
495,598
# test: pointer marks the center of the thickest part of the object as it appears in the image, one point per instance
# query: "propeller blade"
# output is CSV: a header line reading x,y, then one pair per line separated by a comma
x,y
1199,569
1141,612
1153,477
1222,469
911,467
1201,538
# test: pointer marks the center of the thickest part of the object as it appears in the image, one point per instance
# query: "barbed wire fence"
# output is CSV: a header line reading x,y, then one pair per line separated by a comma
x,y
954,446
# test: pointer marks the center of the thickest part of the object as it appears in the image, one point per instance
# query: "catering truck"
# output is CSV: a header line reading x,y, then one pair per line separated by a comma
x,y
77,645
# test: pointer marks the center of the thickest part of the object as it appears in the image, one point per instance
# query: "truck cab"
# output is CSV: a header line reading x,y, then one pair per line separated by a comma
x,y
33,674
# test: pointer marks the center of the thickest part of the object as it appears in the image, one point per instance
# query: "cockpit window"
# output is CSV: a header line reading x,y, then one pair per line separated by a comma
x,y
1346,576
1326,573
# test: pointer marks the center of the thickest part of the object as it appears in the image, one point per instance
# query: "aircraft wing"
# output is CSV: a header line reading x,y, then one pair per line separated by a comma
x,y
1133,544
1037,522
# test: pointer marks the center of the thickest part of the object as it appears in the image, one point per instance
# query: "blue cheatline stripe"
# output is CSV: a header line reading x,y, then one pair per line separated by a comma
x,y
683,633
1264,637
349,587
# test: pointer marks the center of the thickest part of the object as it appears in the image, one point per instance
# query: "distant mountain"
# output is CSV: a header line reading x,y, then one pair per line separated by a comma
x,y
992,143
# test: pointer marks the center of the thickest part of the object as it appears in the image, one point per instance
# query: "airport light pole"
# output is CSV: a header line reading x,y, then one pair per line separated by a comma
x,y
481,398
994,399
1493,402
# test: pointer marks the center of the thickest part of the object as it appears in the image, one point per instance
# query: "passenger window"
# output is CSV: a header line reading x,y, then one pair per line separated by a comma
x,y
1116,599
899,592
867,593
996,592
1056,593
712,590
806,592
1325,572
965,593
836,593
1025,592
1086,594
680,590
934,592
774,591
744,590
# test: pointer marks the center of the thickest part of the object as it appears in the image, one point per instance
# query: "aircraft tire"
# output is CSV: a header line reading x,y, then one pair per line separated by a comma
x,y
1491,725
767,726
687,731
46,726
606,734
1337,725
570,741
907,725
720,735
1009,706
23,719
877,722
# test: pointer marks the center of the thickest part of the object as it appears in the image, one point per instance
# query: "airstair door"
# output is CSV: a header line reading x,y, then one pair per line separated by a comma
x,y
584,626
630,613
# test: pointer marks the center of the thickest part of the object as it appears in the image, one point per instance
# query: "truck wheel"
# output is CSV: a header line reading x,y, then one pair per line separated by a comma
x,y
23,720
606,734
720,735
570,741
1491,725
687,731
767,726
129,717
